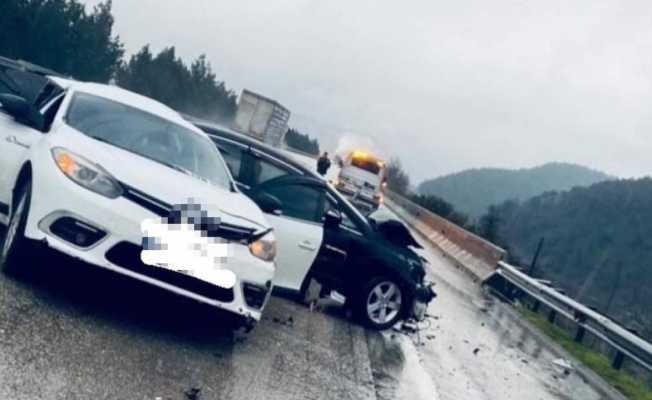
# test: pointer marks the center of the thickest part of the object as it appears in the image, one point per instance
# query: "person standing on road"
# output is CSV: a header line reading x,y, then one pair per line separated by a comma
x,y
323,164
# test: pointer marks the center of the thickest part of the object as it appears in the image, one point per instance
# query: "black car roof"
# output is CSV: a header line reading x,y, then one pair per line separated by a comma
x,y
222,131
27,66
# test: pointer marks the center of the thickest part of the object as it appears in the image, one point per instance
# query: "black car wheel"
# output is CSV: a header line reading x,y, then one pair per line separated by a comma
x,y
381,303
16,248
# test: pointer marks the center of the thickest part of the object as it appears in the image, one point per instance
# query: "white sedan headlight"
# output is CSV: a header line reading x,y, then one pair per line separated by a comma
x,y
86,173
264,248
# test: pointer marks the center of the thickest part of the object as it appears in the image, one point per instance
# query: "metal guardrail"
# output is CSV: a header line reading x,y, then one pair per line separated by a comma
x,y
626,343
484,251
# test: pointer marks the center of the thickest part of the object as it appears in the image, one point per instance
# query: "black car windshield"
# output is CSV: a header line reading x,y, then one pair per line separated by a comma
x,y
149,136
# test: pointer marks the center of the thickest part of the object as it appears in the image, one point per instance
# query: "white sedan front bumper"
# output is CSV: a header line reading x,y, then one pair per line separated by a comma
x,y
54,196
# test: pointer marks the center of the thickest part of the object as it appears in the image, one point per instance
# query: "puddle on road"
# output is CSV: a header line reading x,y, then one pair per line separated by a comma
x,y
397,370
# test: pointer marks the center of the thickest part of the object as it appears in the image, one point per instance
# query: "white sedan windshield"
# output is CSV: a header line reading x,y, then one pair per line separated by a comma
x,y
147,135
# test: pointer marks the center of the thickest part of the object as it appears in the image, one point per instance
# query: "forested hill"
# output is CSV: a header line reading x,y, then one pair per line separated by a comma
x,y
597,245
473,191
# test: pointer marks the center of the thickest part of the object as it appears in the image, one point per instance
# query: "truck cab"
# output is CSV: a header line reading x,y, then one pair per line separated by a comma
x,y
361,178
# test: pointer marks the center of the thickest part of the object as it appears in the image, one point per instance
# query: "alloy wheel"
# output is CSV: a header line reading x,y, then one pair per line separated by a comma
x,y
384,302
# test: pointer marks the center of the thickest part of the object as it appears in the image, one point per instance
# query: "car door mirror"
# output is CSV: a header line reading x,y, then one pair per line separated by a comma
x,y
21,110
332,219
268,204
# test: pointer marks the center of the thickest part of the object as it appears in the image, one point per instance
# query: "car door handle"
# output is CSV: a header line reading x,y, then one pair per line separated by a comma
x,y
14,140
307,245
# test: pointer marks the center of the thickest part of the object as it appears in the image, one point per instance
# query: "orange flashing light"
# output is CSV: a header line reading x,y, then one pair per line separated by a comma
x,y
66,163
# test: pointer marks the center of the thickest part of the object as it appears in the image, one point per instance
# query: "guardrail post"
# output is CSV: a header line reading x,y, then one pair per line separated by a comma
x,y
618,360
579,334
552,315
535,305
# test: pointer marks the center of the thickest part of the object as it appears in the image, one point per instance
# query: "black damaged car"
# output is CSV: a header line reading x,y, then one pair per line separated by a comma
x,y
323,239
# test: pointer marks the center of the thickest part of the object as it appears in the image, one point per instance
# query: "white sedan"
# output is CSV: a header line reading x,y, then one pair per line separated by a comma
x,y
108,177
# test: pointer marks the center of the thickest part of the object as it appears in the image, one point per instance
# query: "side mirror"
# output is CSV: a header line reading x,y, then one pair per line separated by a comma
x,y
268,204
332,219
21,110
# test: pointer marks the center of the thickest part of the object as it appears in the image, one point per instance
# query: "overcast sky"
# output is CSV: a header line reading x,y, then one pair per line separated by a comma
x,y
444,85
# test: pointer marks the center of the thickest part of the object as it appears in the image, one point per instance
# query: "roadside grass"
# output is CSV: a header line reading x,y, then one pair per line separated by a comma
x,y
632,387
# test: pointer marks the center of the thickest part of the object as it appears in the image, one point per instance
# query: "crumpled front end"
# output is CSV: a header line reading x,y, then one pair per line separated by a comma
x,y
423,295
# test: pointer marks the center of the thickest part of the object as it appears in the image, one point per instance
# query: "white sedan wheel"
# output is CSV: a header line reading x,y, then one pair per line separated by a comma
x,y
12,230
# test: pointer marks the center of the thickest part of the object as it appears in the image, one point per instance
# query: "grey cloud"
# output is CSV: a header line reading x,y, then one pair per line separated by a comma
x,y
443,85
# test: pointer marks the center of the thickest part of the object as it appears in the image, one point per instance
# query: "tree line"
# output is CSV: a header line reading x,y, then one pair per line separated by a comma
x,y
597,245
398,181
597,240
63,36
301,141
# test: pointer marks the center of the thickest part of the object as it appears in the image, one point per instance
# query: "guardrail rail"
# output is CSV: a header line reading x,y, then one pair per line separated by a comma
x,y
626,343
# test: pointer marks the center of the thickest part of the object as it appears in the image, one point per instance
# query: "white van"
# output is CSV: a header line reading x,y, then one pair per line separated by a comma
x,y
361,178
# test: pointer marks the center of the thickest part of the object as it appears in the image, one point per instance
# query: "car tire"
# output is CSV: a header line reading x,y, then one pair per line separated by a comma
x,y
381,303
305,297
16,251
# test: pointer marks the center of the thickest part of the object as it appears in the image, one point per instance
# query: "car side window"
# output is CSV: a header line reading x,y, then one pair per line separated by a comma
x,y
233,155
4,88
347,222
28,84
299,201
264,170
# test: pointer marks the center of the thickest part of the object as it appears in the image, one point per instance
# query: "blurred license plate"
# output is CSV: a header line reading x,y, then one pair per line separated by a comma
x,y
179,246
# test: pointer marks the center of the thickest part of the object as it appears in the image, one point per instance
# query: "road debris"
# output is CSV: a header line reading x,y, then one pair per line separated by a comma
x,y
192,393
564,365
285,322
409,327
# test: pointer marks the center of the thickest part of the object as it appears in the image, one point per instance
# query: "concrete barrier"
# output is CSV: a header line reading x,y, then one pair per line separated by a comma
x,y
472,252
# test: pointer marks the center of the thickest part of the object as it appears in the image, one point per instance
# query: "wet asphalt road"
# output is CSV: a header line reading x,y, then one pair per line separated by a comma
x,y
72,331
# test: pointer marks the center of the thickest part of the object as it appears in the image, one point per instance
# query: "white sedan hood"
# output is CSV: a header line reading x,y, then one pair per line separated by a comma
x,y
164,183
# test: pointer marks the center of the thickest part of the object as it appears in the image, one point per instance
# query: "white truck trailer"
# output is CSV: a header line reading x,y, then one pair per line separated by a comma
x,y
261,117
